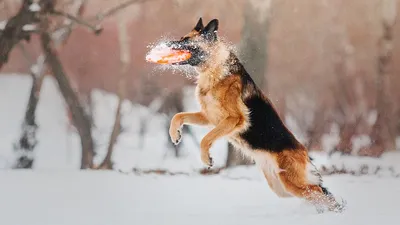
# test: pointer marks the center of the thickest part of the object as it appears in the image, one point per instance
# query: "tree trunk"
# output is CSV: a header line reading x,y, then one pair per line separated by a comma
x,y
107,163
347,131
253,54
27,142
381,135
125,61
316,130
253,46
79,117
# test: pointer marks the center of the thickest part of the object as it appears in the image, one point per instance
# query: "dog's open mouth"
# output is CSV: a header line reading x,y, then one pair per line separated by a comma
x,y
162,54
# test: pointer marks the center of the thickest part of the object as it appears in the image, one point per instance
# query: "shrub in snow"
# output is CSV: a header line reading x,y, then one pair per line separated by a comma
x,y
385,166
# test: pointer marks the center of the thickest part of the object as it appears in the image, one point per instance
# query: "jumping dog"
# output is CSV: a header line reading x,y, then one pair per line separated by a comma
x,y
235,108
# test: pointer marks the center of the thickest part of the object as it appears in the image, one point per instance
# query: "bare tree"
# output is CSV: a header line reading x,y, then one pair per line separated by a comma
x,y
14,30
310,117
27,142
253,46
317,128
79,117
125,60
381,135
349,112
351,106
36,15
253,53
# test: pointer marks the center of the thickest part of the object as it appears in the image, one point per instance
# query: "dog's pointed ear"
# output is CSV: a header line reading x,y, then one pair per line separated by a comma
x,y
212,26
199,26
210,31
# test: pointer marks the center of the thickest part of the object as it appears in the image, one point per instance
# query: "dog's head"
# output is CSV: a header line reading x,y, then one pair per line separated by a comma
x,y
199,42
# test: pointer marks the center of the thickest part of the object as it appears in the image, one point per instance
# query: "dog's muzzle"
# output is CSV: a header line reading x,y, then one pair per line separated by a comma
x,y
197,57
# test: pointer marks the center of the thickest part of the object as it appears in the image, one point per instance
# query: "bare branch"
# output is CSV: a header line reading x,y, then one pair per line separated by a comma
x,y
13,31
96,29
116,9
98,18
16,28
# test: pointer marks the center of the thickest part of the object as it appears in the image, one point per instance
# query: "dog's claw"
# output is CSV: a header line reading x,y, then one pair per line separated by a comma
x,y
211,163
178,139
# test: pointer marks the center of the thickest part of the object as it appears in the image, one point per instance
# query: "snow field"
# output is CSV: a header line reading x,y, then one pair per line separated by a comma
x,y
59,197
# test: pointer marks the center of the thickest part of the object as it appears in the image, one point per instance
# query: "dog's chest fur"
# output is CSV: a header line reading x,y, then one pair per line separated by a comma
x,y
220,97
211,106
210,99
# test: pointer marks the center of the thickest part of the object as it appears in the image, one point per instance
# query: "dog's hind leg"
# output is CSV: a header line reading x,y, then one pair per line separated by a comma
x,y
267,164
224,128
275,185
300,178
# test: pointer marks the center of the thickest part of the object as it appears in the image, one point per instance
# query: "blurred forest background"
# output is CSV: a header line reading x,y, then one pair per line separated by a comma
x,y
328,66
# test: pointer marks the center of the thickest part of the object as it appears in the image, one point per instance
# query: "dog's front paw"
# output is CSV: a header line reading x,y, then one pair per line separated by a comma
x,y
206,158
176,135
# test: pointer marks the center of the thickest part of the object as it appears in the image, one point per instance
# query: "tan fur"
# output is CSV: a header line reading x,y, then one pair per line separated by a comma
x,y
267,162
191,34
286,173
220,96
295,176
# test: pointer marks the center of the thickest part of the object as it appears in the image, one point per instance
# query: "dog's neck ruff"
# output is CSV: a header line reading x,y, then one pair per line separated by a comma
x,y
216,68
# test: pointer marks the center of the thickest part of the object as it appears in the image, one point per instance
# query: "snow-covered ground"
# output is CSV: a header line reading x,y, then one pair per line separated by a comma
x,y
59,197
55,192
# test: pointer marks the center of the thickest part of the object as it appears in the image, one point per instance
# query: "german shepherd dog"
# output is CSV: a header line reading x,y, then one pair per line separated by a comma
x,y
236,109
